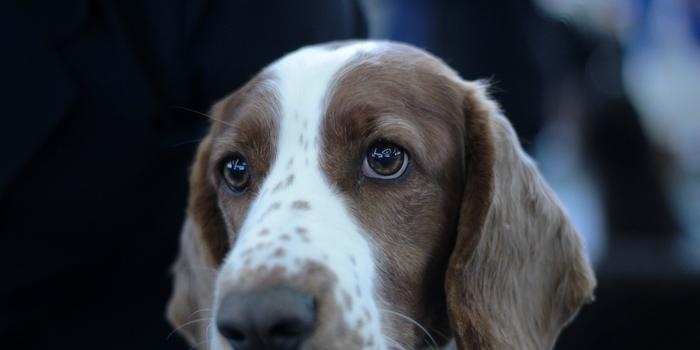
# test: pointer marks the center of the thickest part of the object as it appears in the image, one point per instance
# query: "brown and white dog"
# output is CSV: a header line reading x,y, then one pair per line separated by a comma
x,y
361,195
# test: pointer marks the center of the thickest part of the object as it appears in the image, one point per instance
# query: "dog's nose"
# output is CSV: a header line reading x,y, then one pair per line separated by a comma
x,y
274,318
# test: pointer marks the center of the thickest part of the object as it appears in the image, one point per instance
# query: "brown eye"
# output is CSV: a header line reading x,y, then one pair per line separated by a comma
x,y
235,173
385,160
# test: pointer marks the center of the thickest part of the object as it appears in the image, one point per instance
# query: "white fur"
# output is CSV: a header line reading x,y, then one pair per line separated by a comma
x,y
303,81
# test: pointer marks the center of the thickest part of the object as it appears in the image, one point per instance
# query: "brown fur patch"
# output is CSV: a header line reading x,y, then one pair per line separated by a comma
x,y
243,123
410,99
301,205
347,299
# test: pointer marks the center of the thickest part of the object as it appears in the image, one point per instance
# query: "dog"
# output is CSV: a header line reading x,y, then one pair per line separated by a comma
x,y
362,195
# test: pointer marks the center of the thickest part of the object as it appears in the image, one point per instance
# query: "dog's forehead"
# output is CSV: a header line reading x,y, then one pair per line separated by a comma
x,y
317,64
305,77
295,86
322,65
304,81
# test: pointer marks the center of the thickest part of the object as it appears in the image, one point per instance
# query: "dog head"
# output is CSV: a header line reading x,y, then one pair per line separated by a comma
x,y
361,195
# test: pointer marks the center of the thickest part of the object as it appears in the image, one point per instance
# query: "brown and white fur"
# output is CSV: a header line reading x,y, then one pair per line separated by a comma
x,y
469,248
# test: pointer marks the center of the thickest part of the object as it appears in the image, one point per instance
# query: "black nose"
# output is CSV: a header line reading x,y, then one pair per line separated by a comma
x,y
274,318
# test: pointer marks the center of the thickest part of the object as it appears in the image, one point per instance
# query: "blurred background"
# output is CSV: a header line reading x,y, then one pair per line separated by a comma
x,y
101,101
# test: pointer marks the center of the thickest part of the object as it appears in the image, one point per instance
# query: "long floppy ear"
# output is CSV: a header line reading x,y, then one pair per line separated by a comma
x,y
189,305
203,244
518,272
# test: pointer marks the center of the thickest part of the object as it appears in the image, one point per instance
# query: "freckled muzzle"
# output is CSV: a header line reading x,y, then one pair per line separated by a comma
x,y
300,275
268,308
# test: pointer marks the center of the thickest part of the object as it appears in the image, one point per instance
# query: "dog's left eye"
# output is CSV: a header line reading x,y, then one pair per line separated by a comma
x,y
385,160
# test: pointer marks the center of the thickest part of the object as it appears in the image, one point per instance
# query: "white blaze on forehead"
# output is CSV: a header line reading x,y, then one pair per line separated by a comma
x,y
298,216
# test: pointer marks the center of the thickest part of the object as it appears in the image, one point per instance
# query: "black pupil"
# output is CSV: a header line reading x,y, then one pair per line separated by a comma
x,y
386,159
236,171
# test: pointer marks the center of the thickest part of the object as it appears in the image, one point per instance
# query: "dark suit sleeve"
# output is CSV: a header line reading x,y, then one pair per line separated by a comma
x,y
95,150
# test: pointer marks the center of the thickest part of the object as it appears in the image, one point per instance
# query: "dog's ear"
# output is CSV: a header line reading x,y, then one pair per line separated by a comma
x,y
203,245
518,272
189,307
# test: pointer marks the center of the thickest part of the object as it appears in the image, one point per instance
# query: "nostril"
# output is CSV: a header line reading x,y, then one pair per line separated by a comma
x,y
231,333
292,320
236,336
288,334
233,322
291,328
279,318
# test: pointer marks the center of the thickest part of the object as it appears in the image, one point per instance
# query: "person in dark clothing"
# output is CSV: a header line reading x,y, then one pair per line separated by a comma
x,y
97,131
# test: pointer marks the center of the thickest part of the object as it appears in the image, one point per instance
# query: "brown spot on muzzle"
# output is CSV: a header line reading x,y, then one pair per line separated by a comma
x,y
274,206
347,299
301,205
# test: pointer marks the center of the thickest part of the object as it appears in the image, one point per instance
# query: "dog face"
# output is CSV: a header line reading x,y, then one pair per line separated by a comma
x,y
361,195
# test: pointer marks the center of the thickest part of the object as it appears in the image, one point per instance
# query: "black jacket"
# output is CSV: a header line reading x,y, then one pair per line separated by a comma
x,y
95,146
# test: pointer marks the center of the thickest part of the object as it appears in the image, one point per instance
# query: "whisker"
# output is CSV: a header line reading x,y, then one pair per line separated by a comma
x,y
187,142
198,311
201,114
206,337
194,111
442,335
430,337
185,325
393,343
198,344
208,331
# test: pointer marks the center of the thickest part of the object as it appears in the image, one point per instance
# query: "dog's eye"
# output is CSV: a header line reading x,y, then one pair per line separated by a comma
x,y
235,173
385,160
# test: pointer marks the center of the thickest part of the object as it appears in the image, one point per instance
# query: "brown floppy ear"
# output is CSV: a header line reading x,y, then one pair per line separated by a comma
x,y
203,245
518,272
189,307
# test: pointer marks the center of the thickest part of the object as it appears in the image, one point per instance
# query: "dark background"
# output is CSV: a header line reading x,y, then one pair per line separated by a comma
x,y
99,125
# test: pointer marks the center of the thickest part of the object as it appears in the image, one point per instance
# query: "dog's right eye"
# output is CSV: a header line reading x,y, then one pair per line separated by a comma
x,y
385,160
235,172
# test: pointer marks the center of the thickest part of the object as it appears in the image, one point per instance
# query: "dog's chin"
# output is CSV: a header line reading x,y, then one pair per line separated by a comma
x,y
220,344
